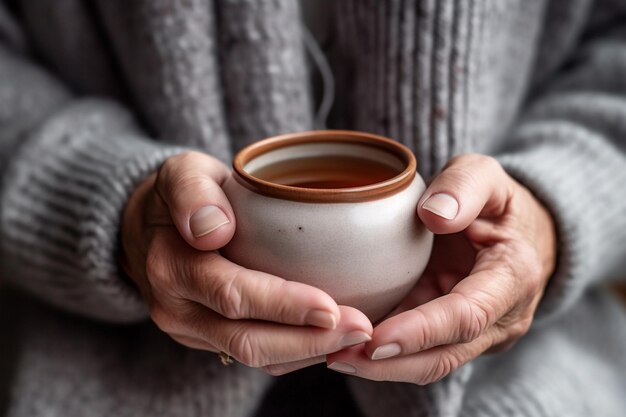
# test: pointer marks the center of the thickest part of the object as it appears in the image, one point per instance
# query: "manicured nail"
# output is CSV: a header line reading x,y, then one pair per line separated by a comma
x,y
354,338
346,368
321,318
386,351
443,205
206,220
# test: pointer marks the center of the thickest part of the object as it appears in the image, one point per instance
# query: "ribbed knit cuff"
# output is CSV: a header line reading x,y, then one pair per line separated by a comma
x,y
61,207
579,177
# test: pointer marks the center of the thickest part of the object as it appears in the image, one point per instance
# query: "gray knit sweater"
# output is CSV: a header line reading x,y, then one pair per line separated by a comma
x,y
94,95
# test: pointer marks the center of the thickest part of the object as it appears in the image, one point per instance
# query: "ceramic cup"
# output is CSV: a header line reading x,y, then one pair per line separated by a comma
x,y
364,246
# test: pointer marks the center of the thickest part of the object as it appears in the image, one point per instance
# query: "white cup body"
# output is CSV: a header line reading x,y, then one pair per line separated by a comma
x,y
367,254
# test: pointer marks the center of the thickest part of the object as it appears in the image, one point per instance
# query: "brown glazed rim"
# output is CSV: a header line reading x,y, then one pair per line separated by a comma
x,y
337,195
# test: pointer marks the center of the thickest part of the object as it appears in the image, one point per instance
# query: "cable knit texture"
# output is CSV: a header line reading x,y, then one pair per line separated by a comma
x,y
96,94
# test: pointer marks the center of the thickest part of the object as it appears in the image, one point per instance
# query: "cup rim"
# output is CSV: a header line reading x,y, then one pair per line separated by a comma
x,y
335,195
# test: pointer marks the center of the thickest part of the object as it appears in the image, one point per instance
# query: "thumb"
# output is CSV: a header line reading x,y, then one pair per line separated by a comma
x,y
190,184
468,187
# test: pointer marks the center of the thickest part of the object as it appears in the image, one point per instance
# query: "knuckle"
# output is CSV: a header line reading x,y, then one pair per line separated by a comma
x,y
467,165
498,252
440,368
475,323
461,177
229,298
503,259
519,329
470,170
521,262
424,333
284,310
524,254
157,265
155,268
242,348
176,181
191,184
169,169
474,318
168,166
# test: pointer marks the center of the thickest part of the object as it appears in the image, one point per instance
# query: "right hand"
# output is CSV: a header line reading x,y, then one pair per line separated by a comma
x,y
172,227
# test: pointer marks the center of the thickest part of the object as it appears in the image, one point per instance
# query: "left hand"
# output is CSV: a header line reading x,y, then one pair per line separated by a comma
x,y
493,255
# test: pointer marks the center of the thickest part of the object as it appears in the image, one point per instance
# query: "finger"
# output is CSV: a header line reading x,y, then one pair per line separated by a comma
x,y
469,186
420,368
275,370
473,306
209,279
239,293
285,368
190,185
258,343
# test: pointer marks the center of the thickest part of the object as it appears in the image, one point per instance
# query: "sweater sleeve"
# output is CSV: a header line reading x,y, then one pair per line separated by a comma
x,y
569,149
67,167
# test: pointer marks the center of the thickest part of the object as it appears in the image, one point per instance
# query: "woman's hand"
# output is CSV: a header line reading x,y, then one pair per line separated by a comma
x,y
172,227
494,253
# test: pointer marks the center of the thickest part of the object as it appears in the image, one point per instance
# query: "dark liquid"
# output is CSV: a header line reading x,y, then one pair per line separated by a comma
x,y
326,172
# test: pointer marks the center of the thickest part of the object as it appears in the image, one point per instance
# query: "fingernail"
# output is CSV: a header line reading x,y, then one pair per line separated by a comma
x,y
206,220
443,205
346,368
386,351
354,338
321,318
